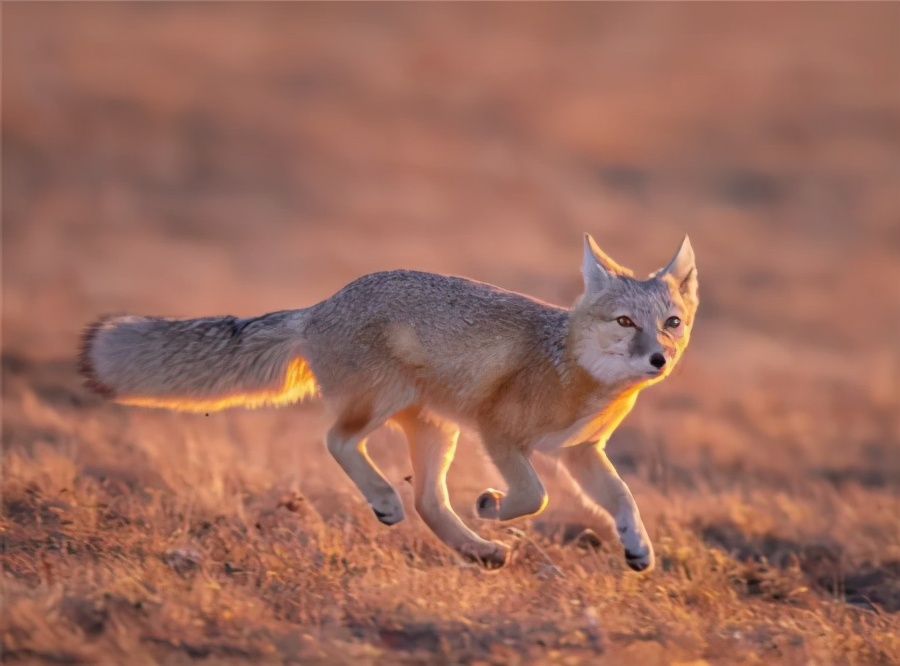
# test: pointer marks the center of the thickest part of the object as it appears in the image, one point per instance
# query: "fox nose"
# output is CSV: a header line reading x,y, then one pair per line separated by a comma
x,y
657,360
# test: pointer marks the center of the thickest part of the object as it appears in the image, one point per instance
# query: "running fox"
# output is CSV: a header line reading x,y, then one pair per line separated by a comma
x,y
427,352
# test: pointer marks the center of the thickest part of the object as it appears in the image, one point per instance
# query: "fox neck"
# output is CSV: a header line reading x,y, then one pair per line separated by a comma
x,y
587,394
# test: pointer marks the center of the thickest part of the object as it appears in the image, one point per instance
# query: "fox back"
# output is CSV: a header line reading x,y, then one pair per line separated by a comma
x,y
396,338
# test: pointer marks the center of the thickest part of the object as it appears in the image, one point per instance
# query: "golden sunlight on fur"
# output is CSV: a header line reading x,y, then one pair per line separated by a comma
x,y
299,384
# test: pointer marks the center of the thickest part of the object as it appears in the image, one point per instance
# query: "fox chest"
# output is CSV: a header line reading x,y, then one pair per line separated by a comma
x,y
594,427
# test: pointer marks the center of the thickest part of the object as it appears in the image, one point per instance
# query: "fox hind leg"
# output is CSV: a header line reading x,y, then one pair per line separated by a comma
x,y
432,444
346,441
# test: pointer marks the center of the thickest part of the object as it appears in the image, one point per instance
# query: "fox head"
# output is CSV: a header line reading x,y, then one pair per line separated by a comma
x,y
627,330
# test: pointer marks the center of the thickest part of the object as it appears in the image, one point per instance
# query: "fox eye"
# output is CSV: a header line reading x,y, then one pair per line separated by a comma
x,y
673,322
625,321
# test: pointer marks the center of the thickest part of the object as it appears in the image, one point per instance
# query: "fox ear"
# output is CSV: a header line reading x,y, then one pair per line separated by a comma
x,y
596,267
683,268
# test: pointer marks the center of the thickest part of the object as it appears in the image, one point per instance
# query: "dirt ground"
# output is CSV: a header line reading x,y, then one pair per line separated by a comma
x,y
199,159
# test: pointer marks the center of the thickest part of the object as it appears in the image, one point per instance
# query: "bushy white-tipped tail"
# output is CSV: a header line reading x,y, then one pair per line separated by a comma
x,y
198,365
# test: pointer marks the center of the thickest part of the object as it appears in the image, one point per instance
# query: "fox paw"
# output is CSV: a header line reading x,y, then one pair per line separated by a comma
x,y
641,560
487,505
638,549
388,512
491,555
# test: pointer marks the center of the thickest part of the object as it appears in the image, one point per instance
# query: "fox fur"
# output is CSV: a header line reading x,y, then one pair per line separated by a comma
x,y
428,352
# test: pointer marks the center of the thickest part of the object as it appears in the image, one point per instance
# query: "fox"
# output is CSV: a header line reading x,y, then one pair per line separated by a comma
x,y
429,354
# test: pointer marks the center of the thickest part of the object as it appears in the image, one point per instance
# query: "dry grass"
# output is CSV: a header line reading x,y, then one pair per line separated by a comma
x,y
193,160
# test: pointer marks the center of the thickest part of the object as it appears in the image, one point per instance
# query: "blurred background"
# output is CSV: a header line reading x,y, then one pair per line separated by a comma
x,y
198,159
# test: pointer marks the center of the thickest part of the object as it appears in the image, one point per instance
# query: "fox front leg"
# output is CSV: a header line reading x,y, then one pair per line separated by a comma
x,y
525,494
594,474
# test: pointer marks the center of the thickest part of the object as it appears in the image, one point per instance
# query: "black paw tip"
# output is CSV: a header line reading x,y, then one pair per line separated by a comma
x,y
637,562
385,518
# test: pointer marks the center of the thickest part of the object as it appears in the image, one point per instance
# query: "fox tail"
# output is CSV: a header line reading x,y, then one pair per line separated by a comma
x,y
198,365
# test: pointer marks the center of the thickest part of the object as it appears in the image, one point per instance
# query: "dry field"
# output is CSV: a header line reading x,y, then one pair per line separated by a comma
x,y
201,159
